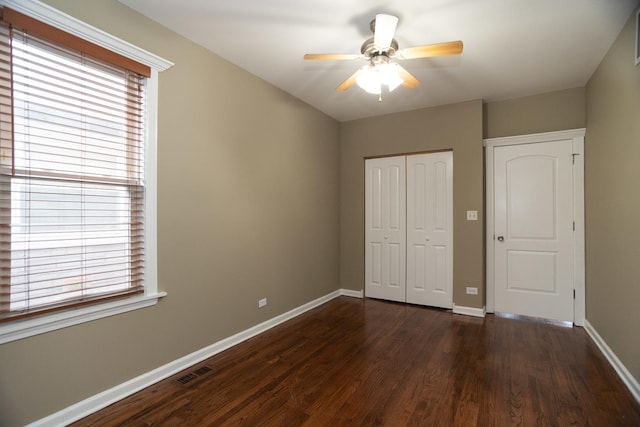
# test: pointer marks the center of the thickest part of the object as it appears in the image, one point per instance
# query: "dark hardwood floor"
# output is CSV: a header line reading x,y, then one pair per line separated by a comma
x,y
375,363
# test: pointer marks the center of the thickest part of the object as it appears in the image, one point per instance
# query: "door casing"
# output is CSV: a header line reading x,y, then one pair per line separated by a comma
x,y
577,138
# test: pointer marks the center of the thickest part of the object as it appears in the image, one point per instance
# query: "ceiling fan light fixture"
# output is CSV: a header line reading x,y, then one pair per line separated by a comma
x,y
389,76
371,78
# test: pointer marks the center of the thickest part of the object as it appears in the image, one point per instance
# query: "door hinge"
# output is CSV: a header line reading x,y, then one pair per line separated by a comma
x,y
573,156
574,226
574,294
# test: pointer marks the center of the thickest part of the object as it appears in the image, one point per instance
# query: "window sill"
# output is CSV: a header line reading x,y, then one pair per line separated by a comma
x,y
30,327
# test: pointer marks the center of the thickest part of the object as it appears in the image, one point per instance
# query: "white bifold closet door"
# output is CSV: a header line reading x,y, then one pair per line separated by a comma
x,y
430,229
409,229
385,223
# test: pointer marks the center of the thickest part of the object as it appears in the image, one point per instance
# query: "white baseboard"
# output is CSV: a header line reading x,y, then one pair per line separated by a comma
x,y
469,311
352,293
101,400
632,384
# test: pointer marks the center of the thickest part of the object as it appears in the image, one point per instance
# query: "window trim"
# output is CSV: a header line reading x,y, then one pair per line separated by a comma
x,y
49,322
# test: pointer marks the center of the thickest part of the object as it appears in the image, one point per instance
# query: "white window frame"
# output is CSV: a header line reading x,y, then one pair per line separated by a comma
x,y
24,328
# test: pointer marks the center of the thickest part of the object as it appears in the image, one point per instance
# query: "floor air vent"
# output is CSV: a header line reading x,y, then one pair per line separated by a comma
x,y
187,378
193,375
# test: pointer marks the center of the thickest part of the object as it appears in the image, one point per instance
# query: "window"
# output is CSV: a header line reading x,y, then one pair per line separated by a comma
x,y
75,193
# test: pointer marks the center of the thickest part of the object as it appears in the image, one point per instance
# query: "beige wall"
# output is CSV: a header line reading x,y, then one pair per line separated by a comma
x,y
457,127
612,175
248,207
547,112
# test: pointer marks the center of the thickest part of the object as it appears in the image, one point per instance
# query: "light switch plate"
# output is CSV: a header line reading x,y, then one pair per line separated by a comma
x,y
472,215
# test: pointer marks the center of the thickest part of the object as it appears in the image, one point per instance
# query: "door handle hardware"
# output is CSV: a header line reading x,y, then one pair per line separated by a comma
x,y
500,238
426,239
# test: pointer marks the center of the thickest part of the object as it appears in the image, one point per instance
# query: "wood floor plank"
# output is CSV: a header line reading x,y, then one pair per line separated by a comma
x,y
369,362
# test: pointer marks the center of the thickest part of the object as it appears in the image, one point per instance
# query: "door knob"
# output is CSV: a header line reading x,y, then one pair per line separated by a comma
x,y
501,238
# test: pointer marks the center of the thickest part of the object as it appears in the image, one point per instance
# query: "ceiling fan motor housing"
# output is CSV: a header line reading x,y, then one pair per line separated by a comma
x,y
369,49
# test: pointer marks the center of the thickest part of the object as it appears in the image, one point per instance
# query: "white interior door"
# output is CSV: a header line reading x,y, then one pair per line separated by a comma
x,y
430,229
533,226
385,228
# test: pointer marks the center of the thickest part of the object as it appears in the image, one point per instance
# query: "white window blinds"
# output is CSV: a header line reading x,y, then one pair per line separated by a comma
x,y
71,173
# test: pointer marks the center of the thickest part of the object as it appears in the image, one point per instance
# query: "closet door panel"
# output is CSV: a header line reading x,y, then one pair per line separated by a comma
x,y
430,229
385,228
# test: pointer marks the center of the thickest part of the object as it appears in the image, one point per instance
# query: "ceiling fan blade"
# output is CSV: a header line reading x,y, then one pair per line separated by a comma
x,y
349,82
408,80
427,51
385,27
331,56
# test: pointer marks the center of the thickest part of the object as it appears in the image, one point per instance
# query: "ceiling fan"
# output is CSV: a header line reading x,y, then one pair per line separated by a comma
x,y
379,51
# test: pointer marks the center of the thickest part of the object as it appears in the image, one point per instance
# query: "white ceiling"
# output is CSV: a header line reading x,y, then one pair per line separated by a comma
x,y
512,48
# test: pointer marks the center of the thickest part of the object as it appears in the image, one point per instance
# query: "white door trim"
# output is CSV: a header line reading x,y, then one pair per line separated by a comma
x,y
577,136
